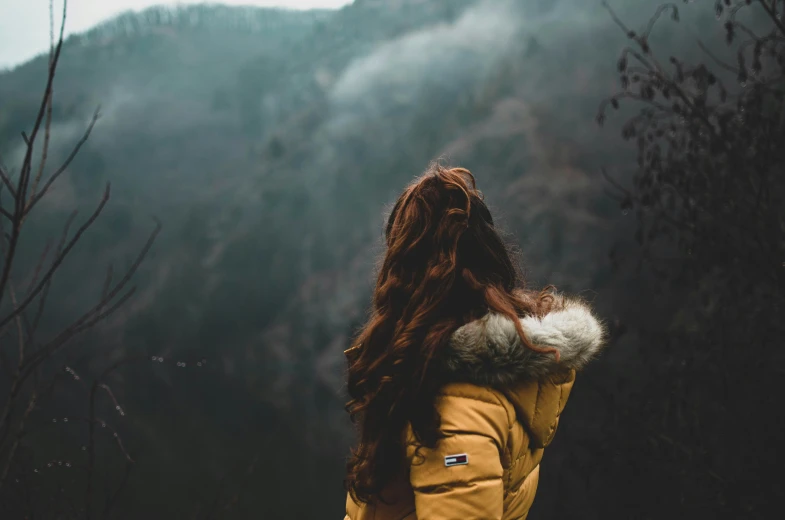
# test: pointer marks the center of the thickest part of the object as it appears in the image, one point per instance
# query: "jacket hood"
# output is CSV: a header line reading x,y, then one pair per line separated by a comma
x,y
489,352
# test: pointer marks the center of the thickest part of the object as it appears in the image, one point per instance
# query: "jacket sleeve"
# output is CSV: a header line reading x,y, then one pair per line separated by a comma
x,y
445,488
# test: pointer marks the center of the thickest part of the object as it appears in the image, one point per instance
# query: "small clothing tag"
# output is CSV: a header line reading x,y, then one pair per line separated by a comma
x,y
456,460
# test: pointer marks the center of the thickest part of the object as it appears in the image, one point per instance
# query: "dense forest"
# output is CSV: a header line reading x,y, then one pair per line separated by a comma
x,y
632,151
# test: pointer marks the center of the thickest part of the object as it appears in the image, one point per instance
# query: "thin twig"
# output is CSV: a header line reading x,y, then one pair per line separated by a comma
x,y
653,20
35,198
24,174
15,445
7,181
616,18
39,266
45,292
773,15
718,61
107,282
18,320
111,501
98,383
59,259
44,151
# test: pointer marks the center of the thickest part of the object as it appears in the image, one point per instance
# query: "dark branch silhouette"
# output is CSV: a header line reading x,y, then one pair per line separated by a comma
x,y
707,194
34,365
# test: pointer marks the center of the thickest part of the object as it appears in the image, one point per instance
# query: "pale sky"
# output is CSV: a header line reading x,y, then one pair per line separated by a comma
x,y
24,24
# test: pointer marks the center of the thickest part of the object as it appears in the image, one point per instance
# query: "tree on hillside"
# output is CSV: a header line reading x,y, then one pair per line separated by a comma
x,y
709,196
36,366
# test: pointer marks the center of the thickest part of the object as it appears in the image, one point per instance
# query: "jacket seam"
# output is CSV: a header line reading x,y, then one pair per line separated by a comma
x,y
536,404
456,483
497,401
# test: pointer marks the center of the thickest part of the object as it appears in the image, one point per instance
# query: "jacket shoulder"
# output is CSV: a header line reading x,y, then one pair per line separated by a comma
x,y
456,400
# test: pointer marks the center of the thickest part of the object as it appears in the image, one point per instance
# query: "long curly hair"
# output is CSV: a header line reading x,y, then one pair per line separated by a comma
x,y
445,265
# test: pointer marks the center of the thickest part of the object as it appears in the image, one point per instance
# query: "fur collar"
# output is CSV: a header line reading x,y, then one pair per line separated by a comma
x,y
489,352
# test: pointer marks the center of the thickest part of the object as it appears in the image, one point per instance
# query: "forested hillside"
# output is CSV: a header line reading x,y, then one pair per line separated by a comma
x,y
269,144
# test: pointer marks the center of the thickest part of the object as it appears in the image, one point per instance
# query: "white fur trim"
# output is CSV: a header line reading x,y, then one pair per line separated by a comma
x,y
488,351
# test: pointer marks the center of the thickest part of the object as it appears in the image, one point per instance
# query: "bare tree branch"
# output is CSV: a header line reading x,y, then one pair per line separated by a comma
x,y
59,259
18,437
7,181
35,198
772,12
48,125
113,498
33,361
94,315
44,151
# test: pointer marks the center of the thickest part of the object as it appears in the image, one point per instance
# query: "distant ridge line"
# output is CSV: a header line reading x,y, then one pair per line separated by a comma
x,y
235,18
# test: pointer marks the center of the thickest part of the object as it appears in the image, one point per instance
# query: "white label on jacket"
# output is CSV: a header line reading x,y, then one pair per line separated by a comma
x,y
456,460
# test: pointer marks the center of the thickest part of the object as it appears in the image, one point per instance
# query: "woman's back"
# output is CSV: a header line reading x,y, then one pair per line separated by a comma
x,y
499,408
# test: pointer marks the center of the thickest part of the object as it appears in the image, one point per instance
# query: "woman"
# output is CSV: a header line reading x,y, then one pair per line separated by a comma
x,y
459,376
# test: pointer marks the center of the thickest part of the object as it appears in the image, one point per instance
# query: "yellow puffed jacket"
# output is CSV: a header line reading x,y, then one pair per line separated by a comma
x,y
498,413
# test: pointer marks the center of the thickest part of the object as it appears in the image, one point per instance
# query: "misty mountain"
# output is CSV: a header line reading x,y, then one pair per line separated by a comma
x,y
269,143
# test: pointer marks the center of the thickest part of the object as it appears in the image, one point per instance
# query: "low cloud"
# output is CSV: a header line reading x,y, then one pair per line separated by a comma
x,y
443,54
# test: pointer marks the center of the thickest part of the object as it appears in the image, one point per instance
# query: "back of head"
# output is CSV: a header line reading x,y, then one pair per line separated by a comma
x,y
445,264
442,249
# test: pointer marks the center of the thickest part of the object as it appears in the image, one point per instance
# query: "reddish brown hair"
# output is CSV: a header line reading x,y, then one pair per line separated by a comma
x,y
445,265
